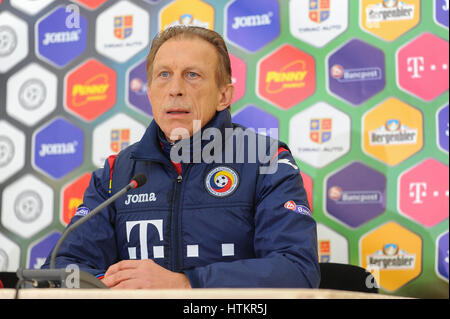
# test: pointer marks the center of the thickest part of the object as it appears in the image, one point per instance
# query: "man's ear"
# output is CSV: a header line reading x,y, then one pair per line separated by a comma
x,y
226,97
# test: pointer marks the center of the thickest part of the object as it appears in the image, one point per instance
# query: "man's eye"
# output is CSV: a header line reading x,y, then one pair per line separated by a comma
x,y
164,74
192,75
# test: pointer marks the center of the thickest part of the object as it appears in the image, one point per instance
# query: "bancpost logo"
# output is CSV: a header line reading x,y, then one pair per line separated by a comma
x,y
392,131
187,12
394,252
58,148
443,128
60,41
356,72
90,90
389,19
72,197
122,31
286,77
355,194
442,256
317,22
319,140
252,25
137,88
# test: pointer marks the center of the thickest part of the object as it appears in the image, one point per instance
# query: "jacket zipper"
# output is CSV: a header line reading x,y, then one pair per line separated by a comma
x,y
176,254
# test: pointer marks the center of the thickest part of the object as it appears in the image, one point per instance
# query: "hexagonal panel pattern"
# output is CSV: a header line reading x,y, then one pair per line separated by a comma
x,y
394,252
424,194
137,88
422,61
59,42
442,128
114,135
27,206
12,150
356,72
187,12
392,131
252,25
238,77
13,41
30,6
90,4
320,134
116,36
390,19
9,254
257,119
441,12
31,94
442,256
286,77
72,197
332,246
90,90
58,148
318,22
355,194
40,249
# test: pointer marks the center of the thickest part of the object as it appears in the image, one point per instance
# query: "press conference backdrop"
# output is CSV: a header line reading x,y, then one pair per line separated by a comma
x,y
358,89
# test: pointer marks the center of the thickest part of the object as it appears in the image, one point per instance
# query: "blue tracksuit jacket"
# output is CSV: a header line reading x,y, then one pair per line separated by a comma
x,y
222,224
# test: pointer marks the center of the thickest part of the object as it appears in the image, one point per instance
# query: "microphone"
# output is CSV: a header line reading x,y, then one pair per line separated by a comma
x,y
46,277
137,181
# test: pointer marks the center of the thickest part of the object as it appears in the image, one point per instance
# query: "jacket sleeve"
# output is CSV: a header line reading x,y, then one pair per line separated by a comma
x,y
285,240
92,246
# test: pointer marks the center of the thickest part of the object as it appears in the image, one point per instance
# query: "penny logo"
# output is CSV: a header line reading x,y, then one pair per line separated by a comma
x,y
286,77
90,90
290,76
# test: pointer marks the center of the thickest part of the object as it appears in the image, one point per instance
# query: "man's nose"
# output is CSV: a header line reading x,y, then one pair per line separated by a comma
x,y
177,86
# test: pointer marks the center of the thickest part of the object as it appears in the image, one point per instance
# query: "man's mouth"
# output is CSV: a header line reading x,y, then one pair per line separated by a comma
x,y
177,111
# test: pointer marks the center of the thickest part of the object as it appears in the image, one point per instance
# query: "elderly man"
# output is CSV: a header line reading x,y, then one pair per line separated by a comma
x,y
196,223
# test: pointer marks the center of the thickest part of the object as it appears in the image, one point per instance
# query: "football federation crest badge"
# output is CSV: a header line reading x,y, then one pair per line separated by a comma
x,y
120,139
222,181
123,26
319,10
320,130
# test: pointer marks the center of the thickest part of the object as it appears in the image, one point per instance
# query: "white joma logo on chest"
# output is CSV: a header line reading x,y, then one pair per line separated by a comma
x,y
140,198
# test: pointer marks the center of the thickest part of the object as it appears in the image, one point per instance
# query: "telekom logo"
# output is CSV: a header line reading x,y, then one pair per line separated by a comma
x,y
416,67
424,193
421,62
158,251
419,191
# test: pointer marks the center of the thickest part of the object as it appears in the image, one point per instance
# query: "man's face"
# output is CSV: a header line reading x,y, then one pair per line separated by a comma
x,y
183,85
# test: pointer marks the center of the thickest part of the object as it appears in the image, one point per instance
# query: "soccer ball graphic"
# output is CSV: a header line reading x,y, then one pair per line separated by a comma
x,y
221,181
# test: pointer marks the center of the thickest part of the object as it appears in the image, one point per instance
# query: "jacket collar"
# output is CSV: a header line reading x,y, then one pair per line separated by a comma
x,y
154,147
